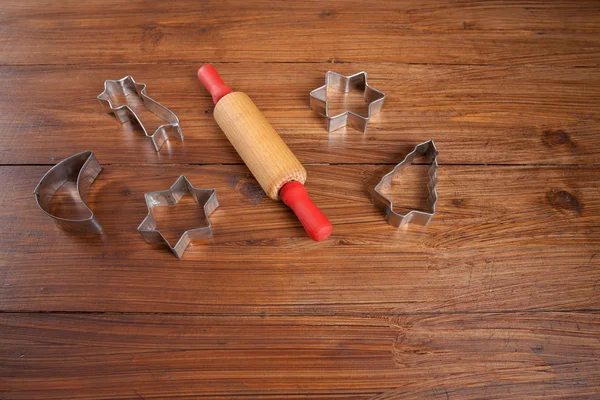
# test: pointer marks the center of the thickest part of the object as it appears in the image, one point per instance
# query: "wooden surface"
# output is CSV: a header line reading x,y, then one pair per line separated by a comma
x,y
498,298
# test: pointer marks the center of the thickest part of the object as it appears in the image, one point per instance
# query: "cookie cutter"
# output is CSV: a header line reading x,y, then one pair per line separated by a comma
x,y
82,168
430,152
207,198
124,113
345,84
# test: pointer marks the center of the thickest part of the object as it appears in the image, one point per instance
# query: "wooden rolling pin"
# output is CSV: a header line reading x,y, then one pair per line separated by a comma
x,y
272,163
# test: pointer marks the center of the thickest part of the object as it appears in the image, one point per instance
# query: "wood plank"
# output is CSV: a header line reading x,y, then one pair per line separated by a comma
x,y
476,115
559,32
58,356
503,238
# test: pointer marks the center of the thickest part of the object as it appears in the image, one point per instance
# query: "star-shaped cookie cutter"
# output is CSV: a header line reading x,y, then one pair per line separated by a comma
x,y
207,198
345,84
124,113
430,152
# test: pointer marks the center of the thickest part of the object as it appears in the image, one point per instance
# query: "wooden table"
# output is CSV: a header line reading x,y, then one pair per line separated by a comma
x,y
497,298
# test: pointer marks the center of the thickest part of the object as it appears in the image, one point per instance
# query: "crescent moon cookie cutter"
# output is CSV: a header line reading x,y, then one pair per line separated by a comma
x,y
430,152
123,113
346,84
82,168
206,198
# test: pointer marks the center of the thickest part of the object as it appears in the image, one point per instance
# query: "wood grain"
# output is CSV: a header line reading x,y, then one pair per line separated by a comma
x,y
561,33
54,356
497,298
506,115
501,244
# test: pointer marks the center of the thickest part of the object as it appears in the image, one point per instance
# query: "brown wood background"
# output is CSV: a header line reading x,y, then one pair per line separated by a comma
x,y
499,298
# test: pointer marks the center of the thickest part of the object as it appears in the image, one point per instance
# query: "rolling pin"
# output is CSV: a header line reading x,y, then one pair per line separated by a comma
x,y
272,163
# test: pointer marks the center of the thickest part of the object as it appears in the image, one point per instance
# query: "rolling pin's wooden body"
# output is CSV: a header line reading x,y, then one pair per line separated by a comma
x,y
269,159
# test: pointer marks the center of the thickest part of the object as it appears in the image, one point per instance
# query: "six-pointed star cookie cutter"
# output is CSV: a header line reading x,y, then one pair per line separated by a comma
x,y
342,83
127,86
207,198
82,168
429,152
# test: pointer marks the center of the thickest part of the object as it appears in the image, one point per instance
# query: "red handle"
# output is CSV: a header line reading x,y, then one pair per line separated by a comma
x,y
210,78
316,224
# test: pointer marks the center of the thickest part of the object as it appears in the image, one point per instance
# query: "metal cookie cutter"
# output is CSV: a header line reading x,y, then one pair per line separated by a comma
x,y
318,100
126,86
207,198
430,152
82,168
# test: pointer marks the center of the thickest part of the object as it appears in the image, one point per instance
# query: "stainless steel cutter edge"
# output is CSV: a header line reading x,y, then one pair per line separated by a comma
x,y
86,167
124,113
429,150
343,83
207,198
